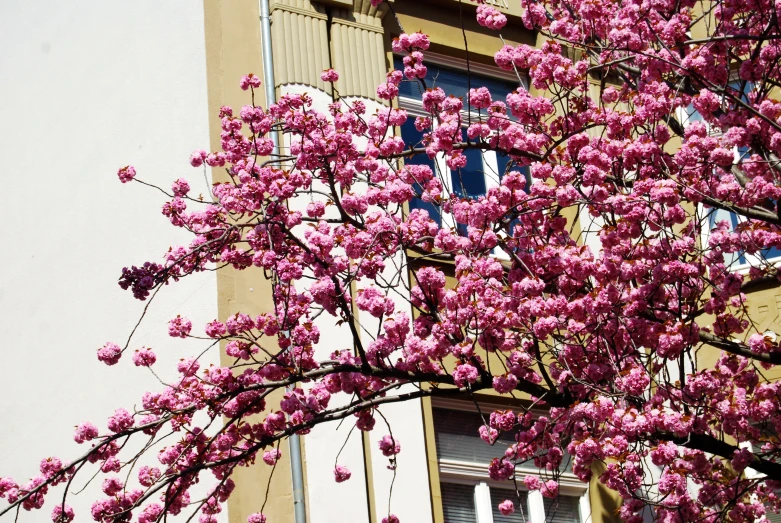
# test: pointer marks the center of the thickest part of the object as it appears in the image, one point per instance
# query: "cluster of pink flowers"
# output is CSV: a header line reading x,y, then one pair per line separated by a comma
x,y
110,353
518,305
389,446
126,174
329,75
144,357
179,327
341,473
413,44
249,81
490,17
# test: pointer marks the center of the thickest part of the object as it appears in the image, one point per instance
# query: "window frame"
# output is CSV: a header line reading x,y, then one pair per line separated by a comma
x,y
473,473
751,260
490,159
751,473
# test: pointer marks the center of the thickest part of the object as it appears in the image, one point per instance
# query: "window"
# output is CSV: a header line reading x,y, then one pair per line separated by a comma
x,y
470,496
739,260
772,517
484,169
767,432
690,115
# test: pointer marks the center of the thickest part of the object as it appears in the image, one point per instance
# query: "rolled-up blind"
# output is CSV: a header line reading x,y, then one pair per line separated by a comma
x,y
453,82
458,503
457,437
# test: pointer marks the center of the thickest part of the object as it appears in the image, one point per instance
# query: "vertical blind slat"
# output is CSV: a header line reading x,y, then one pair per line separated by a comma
x,y
521,514
458,503
563,509
773,517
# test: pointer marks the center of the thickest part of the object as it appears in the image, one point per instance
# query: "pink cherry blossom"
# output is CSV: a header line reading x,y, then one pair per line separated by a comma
x,y
62,514
180,187
506,507
490,17
341,473
532,482
389,446
605,275
85,432
110,353
126,174
248,81
144,357
179,327
270,457
120,420
329,75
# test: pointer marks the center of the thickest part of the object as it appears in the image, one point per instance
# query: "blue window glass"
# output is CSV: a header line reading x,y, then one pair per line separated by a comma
x,y
736,85
452,81
773,252
743,154
743,87
469,181
503,160
692,115
718,215
412,138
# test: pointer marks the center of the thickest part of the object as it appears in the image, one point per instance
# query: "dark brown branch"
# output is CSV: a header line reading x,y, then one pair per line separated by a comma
x,y
462,147
738,348
712,445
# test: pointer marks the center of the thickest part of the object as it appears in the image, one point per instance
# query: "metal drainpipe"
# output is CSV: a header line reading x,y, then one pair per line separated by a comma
x,y
296,468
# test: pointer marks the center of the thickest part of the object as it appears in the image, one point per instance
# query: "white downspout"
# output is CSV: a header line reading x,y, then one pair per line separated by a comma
x,y
296,468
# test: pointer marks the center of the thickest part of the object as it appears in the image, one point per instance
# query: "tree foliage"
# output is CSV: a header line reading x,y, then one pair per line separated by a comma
x,y
653,119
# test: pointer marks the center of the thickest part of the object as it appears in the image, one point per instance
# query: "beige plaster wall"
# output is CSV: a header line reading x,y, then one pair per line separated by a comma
x,y
232,50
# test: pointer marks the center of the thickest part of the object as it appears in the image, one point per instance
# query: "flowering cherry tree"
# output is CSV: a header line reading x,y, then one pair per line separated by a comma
x,y
646,117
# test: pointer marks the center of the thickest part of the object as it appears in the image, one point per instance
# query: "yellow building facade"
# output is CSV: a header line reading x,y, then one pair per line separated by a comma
x,y
140,66
442,471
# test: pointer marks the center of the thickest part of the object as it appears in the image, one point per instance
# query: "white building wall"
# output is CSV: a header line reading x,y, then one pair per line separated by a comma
x,y
86,87
325,497
406,491
411,497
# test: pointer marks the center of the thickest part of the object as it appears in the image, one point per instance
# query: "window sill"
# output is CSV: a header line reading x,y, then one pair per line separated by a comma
x,y
744,268
449,470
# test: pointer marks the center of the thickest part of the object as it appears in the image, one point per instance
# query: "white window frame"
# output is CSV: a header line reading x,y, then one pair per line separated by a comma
x,y
753,474
472,473
490,163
